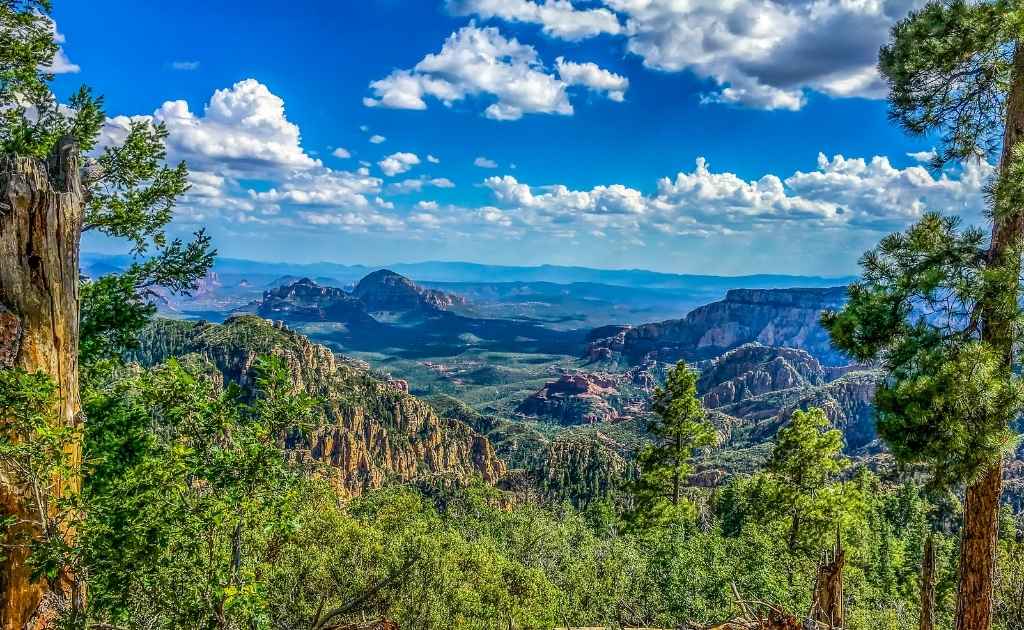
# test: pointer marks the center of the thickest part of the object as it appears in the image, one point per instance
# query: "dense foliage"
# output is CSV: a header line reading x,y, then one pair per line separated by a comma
x,y
678,429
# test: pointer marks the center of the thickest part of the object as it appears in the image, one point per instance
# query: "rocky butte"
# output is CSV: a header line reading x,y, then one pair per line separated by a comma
x,y
773,317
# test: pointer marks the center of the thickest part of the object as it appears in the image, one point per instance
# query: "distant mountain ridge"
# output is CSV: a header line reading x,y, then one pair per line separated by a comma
x,y
444,271
379,296
773,317
388,311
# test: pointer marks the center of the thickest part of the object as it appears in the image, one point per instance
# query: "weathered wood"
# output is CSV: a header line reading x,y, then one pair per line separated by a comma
x,y
827,606
41,208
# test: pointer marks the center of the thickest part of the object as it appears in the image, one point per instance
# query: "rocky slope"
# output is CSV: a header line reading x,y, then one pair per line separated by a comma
x,y
753,369
388,292
306,301
575,398
368,430
773,317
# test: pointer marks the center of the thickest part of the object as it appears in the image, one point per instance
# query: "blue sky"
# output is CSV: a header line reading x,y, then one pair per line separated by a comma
x,y
557,132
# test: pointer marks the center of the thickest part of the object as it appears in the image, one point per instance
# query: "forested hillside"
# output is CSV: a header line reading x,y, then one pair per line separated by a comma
x,y
393,455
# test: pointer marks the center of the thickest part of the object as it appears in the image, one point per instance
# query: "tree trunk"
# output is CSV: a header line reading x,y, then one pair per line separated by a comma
x,y
981,509
978,552
927,620
676,478
827,605
41,206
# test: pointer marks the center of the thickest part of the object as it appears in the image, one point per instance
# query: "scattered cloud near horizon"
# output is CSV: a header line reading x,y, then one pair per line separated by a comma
x,y
242,135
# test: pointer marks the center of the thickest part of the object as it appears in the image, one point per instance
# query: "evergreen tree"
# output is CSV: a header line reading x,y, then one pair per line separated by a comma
x,y
805,462
57,192
678,430
939,306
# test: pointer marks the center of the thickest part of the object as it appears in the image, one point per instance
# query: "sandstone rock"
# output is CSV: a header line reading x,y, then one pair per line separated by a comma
x,y
772,317
754,369
367,431
575,398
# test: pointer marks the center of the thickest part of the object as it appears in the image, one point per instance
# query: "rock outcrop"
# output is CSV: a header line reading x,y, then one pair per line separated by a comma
x,y
368,431
754,369
575,398
847,402
306,301
385,291
773,317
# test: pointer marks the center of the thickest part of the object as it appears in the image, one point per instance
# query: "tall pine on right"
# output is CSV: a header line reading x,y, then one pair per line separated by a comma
x,y
938,305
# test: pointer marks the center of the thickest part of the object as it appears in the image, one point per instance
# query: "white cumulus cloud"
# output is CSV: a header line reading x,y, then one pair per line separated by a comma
x,y
594,77
558,18
478,62
764,54
398,163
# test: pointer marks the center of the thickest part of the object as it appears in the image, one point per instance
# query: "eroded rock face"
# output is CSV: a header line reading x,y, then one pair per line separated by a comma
x,y
368,431
772,317
306,301
847,401
575,398
754,369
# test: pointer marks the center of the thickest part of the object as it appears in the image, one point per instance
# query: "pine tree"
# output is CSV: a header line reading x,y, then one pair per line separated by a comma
x,y
678,429
939,305
49,196
806,459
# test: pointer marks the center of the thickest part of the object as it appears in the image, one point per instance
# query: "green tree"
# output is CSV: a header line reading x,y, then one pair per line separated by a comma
x,y
804,464
187,489
947,300
678,430
68,185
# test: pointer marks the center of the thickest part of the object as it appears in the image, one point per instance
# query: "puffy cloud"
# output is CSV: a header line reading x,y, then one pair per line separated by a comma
x,y
558,18
594,77
398,163
186,66
426,219
363,221
923,156
766,53
483,162
341,153
478,62
61,64
763,54
243,130
853,194
876,194
416,185
243,135
377,139
322,187
433,160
